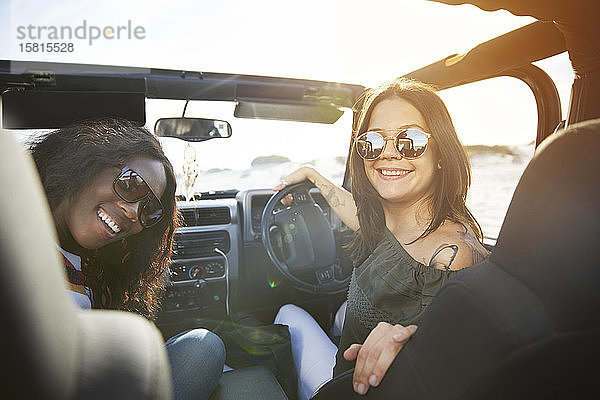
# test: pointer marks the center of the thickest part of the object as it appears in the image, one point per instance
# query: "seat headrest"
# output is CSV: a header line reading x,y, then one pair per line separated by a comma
x,y
39,323
550,236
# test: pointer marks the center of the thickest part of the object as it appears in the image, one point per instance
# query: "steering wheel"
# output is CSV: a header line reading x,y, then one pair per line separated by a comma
x,y
299,241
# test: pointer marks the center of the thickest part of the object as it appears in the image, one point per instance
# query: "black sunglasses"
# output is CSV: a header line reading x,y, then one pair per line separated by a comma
x,y
410,143
131,187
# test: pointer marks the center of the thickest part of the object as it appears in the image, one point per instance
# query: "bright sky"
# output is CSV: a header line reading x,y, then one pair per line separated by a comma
x,y
352,41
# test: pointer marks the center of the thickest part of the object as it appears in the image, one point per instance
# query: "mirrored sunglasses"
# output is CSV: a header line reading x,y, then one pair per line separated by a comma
x,y
410,143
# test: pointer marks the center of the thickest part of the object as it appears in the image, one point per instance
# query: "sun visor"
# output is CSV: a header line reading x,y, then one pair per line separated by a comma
x,y
31,109
304,112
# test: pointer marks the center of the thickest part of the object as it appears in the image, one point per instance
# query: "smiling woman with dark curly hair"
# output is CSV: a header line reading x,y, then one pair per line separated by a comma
x,y
111,190
123,269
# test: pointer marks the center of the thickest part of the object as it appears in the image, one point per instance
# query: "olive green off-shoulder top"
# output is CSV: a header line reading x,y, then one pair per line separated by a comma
x,y
388,286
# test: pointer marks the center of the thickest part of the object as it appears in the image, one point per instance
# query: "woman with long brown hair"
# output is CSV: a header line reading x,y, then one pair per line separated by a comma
x,y
410,176
111,190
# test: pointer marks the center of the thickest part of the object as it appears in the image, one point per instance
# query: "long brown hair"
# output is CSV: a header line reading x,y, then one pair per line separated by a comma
x,y
129,274
450,184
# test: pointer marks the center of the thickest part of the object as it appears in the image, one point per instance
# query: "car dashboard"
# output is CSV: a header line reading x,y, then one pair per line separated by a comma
x,y
219,265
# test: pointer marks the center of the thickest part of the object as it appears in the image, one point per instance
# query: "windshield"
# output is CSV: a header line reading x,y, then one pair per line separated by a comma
x,y
258,153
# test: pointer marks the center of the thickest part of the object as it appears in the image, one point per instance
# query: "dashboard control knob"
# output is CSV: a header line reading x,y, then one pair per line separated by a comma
x,y
197,272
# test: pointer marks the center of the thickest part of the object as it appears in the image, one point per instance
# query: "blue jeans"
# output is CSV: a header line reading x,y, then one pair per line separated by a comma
x,y
197,357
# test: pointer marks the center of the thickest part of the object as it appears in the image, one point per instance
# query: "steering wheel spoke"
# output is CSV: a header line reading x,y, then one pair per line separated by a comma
x,y
277,240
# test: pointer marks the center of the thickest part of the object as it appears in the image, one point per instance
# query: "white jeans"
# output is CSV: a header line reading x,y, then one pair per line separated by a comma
x,y
313,351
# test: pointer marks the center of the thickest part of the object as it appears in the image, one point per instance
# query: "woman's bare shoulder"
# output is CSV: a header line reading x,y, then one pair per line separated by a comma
x,y
454,247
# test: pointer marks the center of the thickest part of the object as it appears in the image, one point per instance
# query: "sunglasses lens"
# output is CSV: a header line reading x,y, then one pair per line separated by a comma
x,y
412,143
130,186
151,212
369,145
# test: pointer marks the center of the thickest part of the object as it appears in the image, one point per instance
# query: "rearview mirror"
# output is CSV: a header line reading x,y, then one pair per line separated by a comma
x,y
192,129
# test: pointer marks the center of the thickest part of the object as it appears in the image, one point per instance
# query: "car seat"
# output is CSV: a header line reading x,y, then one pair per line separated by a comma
x,y
525,323
49,349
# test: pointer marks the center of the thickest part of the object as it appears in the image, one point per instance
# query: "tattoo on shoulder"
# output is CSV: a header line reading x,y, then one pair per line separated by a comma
x,y
478,252
443,256
332,198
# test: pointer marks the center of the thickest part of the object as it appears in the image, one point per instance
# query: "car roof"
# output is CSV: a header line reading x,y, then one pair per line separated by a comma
x,y
100,90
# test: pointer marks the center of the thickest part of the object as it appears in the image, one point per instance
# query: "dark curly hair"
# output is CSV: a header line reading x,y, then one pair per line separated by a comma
x,y
128,274
450,185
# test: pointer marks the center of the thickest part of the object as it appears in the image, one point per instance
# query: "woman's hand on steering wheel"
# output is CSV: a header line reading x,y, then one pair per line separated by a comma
x,y
299,175
338,198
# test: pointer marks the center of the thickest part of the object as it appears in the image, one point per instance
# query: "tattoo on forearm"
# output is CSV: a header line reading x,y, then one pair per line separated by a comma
x,y
443,256
331,196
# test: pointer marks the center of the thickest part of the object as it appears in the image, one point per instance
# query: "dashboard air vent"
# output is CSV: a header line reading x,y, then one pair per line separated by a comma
x,y
200,244
206,216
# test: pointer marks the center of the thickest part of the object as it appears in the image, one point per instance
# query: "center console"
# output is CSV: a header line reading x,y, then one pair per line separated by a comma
x,y
205,259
